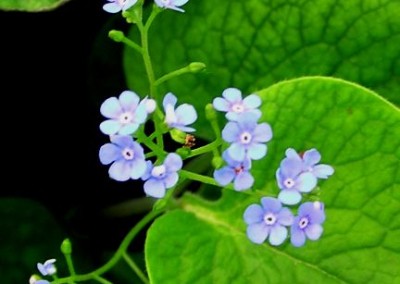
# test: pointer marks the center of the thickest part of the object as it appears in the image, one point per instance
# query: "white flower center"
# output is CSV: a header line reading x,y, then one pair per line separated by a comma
x,y
125,118
270,219
245,138
303,222
158,171
289,183
128,154
238,108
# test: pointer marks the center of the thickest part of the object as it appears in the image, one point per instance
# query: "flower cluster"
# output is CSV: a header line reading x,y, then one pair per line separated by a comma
x,y
297,174
245,135
115,6
125,116
46,269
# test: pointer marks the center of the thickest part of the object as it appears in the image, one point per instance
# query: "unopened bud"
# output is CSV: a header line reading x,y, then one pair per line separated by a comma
x,y
116,36
196,67
66,247
184,152
178,136
217,162
211,113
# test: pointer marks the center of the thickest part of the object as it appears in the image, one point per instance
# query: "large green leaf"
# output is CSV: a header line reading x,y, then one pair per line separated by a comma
x,y
30,5
253,44
356,132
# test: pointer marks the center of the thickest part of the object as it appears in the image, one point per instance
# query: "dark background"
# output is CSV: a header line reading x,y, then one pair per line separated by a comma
x,y
57,67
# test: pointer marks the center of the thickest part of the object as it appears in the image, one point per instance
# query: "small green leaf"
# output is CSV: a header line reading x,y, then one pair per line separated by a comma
x,y
357,133
30,5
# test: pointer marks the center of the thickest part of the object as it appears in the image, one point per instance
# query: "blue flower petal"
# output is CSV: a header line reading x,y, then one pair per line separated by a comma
x,y
271,204
289,197
128,129
120,170
173,162
313,231
323,171
306,182
231,132
111,108
109,153
297,236
171,179
278,235
237,152
154,188
243,181
257,151
232,95
258,232
180,2
292,154
221,104
224,175
169,99
122,141
262,133
110,127
186,114
183,128
285,217
138,168
147,173
248,121
129,100
311,157
42,269
128,4
291,168
253,214
112,8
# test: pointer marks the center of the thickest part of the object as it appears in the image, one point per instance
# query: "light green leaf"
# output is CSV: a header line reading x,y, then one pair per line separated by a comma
x,y
253,44
30,5
357,133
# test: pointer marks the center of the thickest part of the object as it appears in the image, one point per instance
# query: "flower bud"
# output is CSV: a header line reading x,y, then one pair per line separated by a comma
x,y
196,67
116,36
211,113
66,247
217,162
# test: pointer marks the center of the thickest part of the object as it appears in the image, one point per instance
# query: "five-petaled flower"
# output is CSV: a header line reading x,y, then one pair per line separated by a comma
x,y
171,4
236,171
47,268
178,118
116,6
124,114
161,177
247,137
268,221
308,223
234,106
127,157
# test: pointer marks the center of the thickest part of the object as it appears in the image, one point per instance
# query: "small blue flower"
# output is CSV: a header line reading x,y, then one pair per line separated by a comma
x,y
310,159
171,4
124,114
47,268
233,104
127,157
178,118
235,171
292,180
161,177
35,279
308,223
268,221
247,137
116,6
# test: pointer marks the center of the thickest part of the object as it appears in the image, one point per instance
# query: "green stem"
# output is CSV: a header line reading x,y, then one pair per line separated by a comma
x,y
135,268
206,148
101,280
173,74
142,137
200,178
70,265
132,44
117,255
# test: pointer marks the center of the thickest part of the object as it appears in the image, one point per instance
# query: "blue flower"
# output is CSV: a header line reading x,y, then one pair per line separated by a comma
x,y
310,159
308,223
116,6
35,279
171,4
292,180
124,114
161,177
235,171
233,104
47,268
127,157
247,137
178,118
268,221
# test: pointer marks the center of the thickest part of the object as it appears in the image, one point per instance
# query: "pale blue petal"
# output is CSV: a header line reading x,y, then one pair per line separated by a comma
x,y
186,114
159,3
297,237
316,214
128,129
252,101
257,151
120,170
253,214
110,127
154,188
292,154
183,128
111,108
237,152
232,95
171,179
306,182
122,140
233,116
129,3
180,2
248,121
129,100
285,217
243,181
169,99
311,157
147,173
262,133
175,8
42,269
289,197
140,114
279,178
109,153
138,168
42,282
224,175
291,168
112,8
278,235
258,232
139,151
323,171
313,231
228,159
173,162
231,132
271,204
220,104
